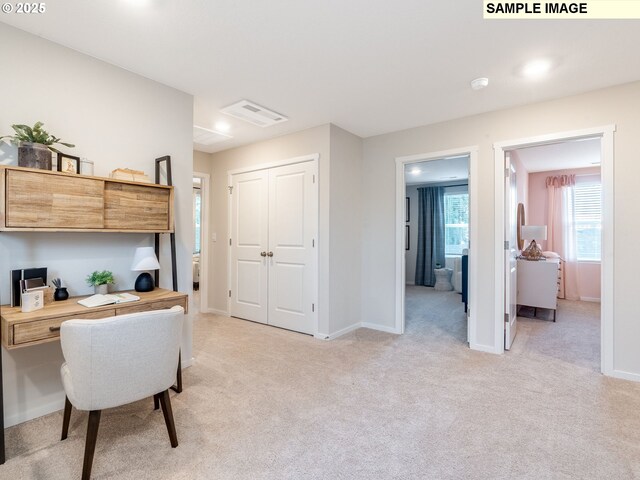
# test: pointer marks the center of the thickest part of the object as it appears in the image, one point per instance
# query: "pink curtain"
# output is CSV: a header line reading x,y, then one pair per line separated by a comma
x,y
561,236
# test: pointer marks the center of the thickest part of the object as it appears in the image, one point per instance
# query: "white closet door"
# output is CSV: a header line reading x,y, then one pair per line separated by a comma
x,y
293,225
249,241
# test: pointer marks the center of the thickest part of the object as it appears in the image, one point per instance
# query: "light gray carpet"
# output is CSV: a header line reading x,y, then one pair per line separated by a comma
x,y
264,403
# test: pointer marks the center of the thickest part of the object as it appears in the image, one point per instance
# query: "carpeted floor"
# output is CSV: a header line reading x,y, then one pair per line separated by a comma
x,y
264,403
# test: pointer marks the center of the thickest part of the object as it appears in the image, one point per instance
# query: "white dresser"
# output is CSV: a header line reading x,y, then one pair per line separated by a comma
x,y
538,284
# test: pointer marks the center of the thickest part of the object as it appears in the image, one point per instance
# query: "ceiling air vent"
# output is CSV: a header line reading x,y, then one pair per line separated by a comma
x,y
254,113
204,136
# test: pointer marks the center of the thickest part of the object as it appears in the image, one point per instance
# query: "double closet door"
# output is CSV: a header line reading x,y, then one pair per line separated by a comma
x,y
274,224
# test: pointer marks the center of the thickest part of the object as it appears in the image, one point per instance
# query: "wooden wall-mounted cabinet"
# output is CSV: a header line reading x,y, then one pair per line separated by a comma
x,y
41,200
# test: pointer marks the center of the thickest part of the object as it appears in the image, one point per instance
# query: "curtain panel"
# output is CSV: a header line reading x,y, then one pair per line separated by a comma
x,y
561,233
430,234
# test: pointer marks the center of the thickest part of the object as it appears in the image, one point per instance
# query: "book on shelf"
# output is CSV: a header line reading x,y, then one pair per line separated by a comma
x,y
129,174
99,300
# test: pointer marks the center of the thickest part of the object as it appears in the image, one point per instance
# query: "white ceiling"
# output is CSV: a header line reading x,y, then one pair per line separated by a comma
x,y
369,66
560,156
436,171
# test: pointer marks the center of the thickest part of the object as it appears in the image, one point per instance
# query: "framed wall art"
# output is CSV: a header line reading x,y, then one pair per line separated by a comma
x,y
68,163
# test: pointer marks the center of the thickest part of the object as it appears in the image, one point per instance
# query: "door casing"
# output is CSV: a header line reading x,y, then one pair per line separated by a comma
x,y
606,134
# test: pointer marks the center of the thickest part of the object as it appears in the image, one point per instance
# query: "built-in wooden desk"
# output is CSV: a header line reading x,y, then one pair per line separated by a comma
x,y
20,330
25,329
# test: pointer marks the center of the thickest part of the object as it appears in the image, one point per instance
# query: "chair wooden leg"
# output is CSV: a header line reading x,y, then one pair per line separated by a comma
x,y
156,401
90,446
168,417
66,418
178,386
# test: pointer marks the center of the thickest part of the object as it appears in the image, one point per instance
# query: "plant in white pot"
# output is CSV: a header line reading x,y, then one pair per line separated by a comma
x,y
34,145
100,281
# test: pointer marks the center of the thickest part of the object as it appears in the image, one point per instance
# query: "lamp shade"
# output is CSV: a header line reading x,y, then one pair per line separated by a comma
x,y
534,232
145,259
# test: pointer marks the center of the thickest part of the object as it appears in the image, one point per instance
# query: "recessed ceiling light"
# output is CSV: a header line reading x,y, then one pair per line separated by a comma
x,y
536,68
222,127
138,3
479,83
415,171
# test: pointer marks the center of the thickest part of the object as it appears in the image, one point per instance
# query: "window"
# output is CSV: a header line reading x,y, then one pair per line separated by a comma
x,y
197,198
588,220
456,223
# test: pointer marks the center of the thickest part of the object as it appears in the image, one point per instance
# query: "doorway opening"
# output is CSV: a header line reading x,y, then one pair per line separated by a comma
x,y
557,190
200,196
437,245
435,237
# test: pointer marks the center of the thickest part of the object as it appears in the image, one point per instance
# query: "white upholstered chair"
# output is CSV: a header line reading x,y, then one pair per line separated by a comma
x,y
119,360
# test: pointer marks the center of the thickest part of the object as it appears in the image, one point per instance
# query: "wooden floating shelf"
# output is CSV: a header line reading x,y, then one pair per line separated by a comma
x,y
34,200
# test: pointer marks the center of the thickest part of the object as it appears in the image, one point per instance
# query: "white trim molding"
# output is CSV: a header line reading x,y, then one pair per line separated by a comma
x,y
380,328
339,333
401,162
606,135
590,299
204,238
634,377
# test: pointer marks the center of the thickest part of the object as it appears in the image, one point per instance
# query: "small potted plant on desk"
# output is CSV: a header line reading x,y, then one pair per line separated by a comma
x,y
101,281
34,145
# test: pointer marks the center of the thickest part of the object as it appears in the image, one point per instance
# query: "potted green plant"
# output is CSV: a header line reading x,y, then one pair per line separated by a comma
x,y
100,281
34,145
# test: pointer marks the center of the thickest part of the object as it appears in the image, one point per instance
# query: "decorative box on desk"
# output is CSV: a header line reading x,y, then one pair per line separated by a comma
x,y
26,329
538,284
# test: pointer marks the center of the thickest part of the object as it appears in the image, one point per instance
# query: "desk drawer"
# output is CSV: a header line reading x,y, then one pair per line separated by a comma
x,y
50,328
159,305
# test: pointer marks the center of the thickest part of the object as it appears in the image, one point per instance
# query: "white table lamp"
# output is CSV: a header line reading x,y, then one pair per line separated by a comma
x,y
143,260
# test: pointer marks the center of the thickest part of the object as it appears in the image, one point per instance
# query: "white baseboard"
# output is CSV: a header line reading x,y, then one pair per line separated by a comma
x,y
485,348
408,282
339,333
215,311
355,326
381,328
590,299
32,413
634,377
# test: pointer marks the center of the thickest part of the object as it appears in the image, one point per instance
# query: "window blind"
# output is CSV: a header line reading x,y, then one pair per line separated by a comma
x,y
588,220
456,222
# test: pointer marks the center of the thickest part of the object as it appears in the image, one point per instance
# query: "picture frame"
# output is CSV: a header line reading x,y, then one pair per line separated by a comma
x,y
407,211
68,163
407,245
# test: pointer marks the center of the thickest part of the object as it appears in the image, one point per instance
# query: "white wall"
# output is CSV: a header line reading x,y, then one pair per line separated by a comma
x,y
117,119
345,231
617,105
201,162
313,140
339,177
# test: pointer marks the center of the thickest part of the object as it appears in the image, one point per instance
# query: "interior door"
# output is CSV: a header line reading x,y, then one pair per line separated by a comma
x,y
511,253
293,226
249,242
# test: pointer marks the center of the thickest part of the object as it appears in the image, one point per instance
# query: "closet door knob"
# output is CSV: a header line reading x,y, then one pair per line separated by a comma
x,y
270,254
263,254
